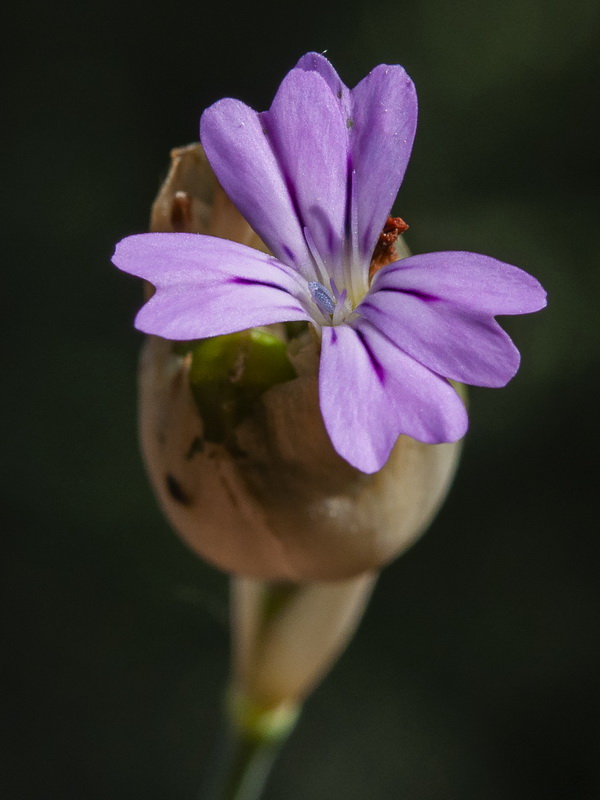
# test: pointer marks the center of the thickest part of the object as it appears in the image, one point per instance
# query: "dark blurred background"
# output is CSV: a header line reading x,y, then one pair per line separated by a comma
x,y
476,671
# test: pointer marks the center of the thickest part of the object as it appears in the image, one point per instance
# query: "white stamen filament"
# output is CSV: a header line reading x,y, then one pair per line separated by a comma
x,y
320,268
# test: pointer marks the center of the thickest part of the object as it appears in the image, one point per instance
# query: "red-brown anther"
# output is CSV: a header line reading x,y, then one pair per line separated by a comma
x,y
385,252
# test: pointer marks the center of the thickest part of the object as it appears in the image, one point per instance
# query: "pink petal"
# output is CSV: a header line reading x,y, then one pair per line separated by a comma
x,y
371,392
446,338
310,138
383,114
384,121
208,286
478,283
315,62
240,153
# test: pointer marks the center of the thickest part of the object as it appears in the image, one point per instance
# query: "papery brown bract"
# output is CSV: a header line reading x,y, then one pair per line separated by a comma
x,y
282,505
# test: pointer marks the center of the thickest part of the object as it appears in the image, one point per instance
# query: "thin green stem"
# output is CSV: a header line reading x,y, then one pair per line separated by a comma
x,y
242,768
249,746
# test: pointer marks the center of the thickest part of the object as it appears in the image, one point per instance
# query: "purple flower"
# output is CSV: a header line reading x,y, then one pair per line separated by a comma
x,y
316,176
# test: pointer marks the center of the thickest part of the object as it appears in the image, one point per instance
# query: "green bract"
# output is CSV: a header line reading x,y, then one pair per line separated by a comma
x,y
228,373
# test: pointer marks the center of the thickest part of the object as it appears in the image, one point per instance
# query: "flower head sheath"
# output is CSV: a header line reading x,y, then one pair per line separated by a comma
x,y
316,176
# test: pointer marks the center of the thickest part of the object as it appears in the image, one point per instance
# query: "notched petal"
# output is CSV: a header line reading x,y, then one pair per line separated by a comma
x,y
208,286
371,392
308,136
473,281
451,341
384,117
248,170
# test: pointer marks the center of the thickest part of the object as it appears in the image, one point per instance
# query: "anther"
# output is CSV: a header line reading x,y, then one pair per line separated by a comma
x,y
321,297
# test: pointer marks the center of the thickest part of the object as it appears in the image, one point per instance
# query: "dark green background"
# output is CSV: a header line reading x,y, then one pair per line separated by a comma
x,y
476,672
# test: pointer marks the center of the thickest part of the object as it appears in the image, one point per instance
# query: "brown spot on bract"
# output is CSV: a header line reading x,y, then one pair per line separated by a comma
x,y
197,446
176,491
